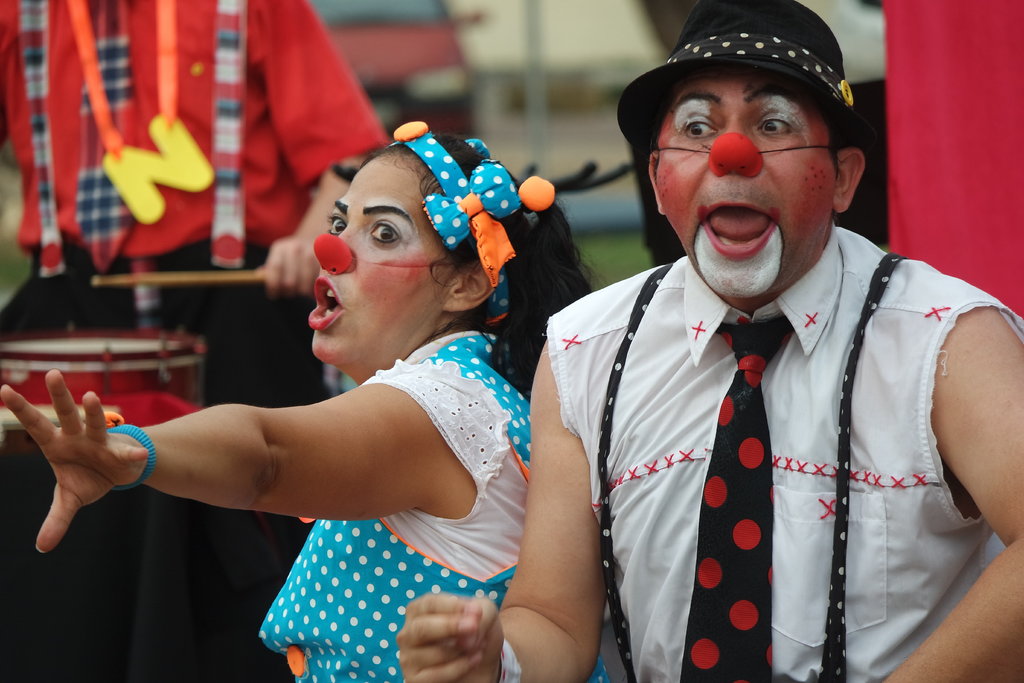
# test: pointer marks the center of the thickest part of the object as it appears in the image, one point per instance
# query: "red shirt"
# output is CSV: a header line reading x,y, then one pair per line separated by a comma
x,y
304,109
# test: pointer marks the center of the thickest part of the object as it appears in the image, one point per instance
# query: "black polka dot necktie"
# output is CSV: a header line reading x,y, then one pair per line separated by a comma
x,y
728,633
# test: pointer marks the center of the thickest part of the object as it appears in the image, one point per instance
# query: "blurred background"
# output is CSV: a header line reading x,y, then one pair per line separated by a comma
x,y
538,82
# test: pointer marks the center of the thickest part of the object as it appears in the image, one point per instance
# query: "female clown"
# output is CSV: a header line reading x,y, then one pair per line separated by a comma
x,y
438,275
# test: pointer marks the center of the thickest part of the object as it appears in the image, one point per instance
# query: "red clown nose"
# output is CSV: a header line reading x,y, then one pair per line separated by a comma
x,y
332,253
734,153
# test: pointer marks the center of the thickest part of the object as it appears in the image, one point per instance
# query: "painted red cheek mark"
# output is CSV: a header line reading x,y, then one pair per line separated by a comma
x,y
383,274
817,179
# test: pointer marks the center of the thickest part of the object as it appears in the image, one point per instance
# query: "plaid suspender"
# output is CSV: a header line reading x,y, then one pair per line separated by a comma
x,y
34,29
228,231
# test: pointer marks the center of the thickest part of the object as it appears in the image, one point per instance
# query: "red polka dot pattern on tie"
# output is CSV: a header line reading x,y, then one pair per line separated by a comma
x,y
743,615
715,492
729,622
725,412
753,368
704,654
751,452
709,573
746,534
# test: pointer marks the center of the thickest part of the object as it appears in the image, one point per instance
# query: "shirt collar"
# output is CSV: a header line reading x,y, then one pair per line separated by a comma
x,y
811,302
808,304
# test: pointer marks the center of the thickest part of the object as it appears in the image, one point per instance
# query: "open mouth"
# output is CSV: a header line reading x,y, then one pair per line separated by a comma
x,y
738,232
328,306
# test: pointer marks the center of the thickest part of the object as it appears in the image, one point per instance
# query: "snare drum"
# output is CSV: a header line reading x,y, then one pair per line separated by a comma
x,y
104,361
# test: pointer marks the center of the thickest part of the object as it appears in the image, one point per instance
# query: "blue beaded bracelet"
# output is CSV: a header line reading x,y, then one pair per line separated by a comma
x,y
143,438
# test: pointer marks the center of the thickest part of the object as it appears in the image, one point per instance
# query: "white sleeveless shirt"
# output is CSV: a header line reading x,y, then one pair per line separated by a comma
x,y
912,556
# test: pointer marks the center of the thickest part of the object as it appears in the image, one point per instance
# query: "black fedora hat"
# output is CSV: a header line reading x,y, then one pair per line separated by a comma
x,y
778,35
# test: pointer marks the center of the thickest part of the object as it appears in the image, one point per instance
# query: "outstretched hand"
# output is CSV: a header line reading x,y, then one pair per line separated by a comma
x,y
450,638
86,461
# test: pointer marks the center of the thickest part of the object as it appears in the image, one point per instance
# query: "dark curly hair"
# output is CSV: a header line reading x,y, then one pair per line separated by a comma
x,y
545,276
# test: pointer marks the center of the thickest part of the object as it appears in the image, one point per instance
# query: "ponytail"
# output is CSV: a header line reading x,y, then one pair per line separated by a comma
x,y
546,275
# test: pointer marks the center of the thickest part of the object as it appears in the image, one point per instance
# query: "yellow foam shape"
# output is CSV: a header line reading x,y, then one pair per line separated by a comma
x,y
179,164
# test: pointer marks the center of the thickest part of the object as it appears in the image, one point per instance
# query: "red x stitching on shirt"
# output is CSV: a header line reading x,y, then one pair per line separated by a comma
x,y
570,342
937,312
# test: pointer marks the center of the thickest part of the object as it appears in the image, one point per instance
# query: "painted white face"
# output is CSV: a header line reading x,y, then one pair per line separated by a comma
x,y
740,279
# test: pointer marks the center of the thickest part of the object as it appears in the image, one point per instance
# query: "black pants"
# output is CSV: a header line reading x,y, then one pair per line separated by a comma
x,y
148,588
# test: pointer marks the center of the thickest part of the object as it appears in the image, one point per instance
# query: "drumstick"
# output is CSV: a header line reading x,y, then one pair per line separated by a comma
x,y
10,423
184,278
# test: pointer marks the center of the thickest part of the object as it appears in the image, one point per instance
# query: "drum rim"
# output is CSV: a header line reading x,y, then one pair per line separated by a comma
x,y
95,365
178,344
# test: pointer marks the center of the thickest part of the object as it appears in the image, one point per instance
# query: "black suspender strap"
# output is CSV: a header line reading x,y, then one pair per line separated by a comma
x,y
604,442
834,655
833,660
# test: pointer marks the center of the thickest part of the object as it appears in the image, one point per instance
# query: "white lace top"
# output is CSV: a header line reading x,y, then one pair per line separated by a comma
x,y
468,415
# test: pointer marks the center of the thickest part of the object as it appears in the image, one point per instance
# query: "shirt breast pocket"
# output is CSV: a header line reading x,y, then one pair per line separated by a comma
x,y
802,562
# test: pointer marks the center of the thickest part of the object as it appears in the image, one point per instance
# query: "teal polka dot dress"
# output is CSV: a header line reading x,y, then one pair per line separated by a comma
x,y
344,600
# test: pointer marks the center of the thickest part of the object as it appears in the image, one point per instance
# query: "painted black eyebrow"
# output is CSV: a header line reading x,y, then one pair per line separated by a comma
x,y
374,210
386,209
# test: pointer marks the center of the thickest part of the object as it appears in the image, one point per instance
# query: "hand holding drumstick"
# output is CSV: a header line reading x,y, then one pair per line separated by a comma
x,y
86,460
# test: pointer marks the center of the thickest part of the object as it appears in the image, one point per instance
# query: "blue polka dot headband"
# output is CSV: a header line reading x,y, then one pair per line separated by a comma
x,y
472,207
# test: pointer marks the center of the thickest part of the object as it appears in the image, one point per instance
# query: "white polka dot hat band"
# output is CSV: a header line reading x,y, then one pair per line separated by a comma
x,y
775,48
782,36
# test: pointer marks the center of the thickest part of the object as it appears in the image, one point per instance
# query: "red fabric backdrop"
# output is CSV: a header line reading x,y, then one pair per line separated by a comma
x,y
956,139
